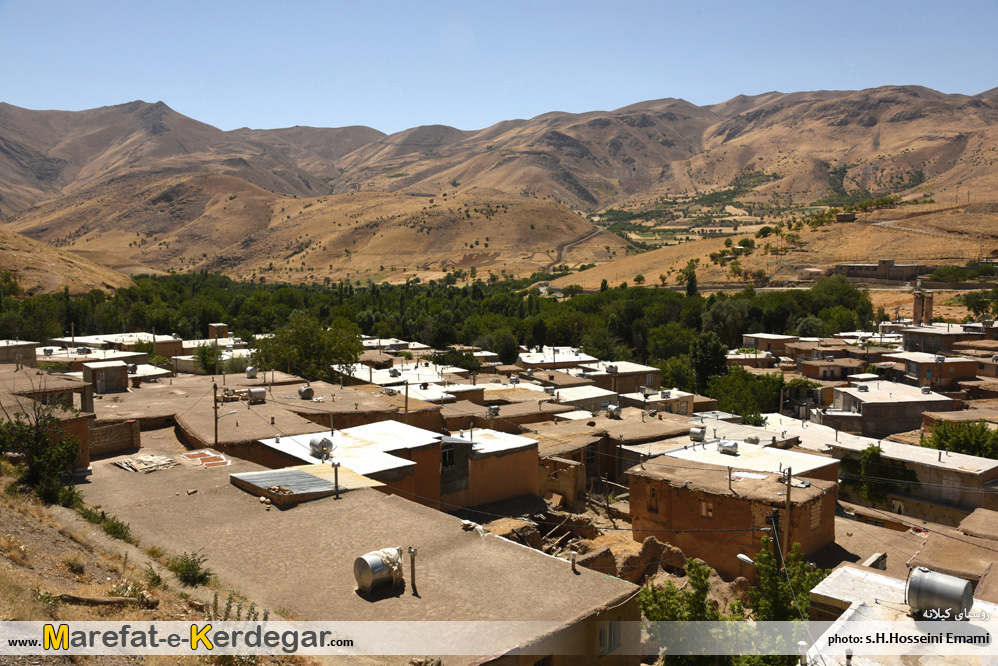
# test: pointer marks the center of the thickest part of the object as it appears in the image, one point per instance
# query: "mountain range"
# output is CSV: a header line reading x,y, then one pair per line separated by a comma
x,y
139,187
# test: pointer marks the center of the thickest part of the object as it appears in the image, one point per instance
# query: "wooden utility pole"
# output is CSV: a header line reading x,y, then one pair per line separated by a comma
x,y
407,402
786,528
214,399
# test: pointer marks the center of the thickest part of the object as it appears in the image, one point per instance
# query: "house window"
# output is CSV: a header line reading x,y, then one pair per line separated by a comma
x,y
652,499
649,380
897,506
816,516
590,454
951,488
609,637
706,509
447,456
683,407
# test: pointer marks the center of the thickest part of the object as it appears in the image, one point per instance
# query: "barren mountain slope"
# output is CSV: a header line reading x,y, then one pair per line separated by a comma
x,y
39,267
147,223
933,235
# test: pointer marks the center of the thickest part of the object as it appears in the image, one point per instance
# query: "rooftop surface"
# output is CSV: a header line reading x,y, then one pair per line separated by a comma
x,y
824,439
768,488
892,392
769,336
623,367
33,381
461,575
751,457
924,357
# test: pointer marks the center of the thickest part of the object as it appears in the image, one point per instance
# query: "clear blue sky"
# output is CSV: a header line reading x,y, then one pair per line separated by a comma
x,y
471,63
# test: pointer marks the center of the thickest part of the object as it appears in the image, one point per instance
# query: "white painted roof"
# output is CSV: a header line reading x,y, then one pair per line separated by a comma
x,y
923,357
492,441
884,391
623,367
750,457
823,438
582,393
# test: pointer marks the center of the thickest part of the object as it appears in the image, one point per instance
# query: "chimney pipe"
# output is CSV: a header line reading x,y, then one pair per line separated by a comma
x,y
574,570
927,308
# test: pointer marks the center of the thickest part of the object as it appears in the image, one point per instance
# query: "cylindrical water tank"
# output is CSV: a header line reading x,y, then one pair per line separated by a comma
x,y
305,392
257,394
370,571
320,447
251,372
929,591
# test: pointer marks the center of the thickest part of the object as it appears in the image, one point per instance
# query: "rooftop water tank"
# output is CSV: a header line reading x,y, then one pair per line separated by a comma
x,y
727,446
930,591
613,411
251,372
698,434
320,447
665,395
926,390
305,392
257,394
378,568
940,359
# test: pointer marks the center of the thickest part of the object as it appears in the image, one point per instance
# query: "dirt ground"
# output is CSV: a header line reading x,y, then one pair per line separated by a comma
x,y
944,304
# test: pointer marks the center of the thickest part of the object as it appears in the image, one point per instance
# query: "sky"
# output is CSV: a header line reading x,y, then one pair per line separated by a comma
x,y
470,64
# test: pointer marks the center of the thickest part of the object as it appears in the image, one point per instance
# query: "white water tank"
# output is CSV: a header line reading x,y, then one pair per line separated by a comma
x,y
257,394
728,447
305,392
613,411
930,591
251,372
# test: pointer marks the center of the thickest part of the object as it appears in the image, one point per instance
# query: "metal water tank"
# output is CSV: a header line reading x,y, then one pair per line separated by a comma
x,y
727,446
257,394
929,590
370,569
320,447
305,392
251,372
698,434
613,411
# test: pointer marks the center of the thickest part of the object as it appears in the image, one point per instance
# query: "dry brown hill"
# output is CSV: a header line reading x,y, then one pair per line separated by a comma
x,y
142,187
144,223
930,234
39,267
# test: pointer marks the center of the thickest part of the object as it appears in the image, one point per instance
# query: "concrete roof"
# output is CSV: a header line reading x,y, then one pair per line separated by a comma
x,y
67,355
822,438
574,393
891,392
770,336
923,357
98,365
364,449
487,442
940,329
556,355
623,367
751,457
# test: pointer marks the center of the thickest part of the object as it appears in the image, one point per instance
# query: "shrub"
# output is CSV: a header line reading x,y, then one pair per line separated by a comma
x,y
190,568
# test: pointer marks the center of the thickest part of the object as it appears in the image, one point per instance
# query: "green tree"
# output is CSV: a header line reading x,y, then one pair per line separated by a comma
x,y
304,347
639,278
209,358
506,346
708,356
690,604
689,277
782,595
974,438
47,451
874,478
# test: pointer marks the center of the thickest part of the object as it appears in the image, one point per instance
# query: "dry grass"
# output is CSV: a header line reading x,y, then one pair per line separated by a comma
x,y
15,550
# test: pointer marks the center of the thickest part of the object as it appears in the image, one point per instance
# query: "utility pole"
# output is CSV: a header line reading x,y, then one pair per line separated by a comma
x,y
774,519
786,534
407,402
214,399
